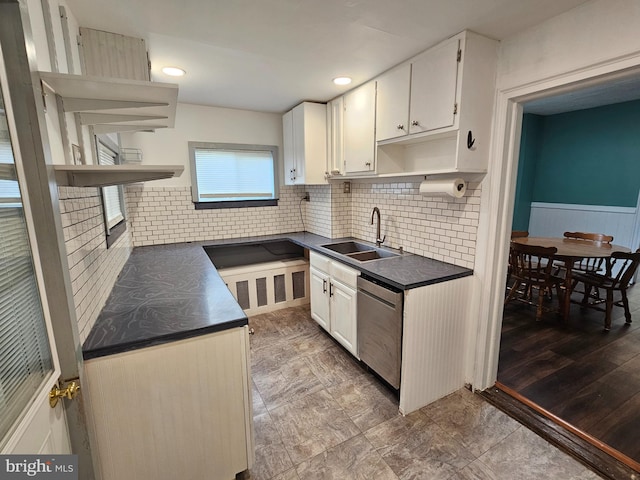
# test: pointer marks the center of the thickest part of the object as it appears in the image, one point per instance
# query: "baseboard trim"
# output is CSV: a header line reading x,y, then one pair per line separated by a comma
x,y
596,455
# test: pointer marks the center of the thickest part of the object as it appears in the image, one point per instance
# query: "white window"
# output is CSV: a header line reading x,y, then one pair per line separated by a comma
x,y
242,174
25,356
112,197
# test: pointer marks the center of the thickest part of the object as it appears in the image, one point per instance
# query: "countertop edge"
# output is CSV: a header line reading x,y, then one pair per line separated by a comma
x,y
172,337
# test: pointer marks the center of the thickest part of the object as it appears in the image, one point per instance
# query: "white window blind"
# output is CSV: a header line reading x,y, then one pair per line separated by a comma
x,y
25,357
111,194
224,174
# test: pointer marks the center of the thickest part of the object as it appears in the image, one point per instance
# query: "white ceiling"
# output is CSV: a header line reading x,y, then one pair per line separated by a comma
x,y
623,89
269,55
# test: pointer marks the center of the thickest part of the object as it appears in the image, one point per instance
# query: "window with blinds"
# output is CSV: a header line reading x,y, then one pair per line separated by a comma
x,y
111,194
25,355
233,173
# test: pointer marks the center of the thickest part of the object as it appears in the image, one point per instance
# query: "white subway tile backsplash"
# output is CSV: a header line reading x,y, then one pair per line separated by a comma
x,y
443,228
93,268
160,215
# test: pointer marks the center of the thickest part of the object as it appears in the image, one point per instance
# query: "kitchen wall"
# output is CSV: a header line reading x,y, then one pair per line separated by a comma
x,y
163,212
198,123
329,211
440,227
92,266
590,34
160,215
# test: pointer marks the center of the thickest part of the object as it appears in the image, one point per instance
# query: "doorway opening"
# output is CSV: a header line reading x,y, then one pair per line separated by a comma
x,y
572,373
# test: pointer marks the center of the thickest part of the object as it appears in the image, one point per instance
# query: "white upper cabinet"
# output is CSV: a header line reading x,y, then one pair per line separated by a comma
x,y
392,103
359,129
305,144
449,110
335,137
433,87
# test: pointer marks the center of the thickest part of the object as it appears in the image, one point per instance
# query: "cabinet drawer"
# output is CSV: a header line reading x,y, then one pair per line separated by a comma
x,y
319,261
345,274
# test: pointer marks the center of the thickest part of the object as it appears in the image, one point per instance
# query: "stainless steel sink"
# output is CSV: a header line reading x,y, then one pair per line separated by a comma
x,y
359,251
348,247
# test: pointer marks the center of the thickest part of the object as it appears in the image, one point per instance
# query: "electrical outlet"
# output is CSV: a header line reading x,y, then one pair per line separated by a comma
x,y
307,197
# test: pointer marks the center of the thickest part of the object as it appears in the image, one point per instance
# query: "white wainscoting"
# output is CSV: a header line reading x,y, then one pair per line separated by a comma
x,y
553,219
434,342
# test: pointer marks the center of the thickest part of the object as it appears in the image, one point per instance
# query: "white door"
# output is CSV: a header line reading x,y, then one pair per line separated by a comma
x,y
28,363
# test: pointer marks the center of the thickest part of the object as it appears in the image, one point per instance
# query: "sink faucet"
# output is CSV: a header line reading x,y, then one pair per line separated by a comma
x,y
379,240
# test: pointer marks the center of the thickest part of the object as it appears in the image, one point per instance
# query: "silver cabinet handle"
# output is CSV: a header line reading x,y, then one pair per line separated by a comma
x,y
400,126
415,123
324,286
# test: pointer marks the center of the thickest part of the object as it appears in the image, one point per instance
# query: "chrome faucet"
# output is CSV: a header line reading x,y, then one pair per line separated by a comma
x,y
379,240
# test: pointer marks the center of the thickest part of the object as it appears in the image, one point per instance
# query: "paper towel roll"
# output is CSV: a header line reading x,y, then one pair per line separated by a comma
x,y
453,187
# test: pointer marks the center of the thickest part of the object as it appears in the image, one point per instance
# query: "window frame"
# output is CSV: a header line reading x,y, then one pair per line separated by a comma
x,y
115,232
200,205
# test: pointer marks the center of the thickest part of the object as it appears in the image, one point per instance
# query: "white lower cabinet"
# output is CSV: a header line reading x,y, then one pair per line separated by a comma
x,y
334,300
177,410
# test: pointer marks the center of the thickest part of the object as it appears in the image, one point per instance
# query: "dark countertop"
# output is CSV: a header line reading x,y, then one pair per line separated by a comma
x,y
171,292
405,271
164,293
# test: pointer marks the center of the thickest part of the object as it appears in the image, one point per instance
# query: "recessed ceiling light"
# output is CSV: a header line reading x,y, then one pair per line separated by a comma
x,y
342,80
173,71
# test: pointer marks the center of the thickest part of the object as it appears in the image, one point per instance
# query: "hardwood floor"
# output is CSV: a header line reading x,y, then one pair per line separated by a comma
x,y
588,378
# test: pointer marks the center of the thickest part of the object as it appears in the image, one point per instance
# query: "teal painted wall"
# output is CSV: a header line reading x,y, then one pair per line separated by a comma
x,y
586,157
530,142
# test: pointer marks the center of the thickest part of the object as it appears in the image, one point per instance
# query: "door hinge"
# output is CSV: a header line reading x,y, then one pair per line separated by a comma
x,y
459,57
455,108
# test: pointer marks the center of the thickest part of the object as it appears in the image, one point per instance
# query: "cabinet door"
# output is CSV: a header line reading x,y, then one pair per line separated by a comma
x,y
392,103
359,129
343,316
288,153
335,134
299,131
319,292
433,88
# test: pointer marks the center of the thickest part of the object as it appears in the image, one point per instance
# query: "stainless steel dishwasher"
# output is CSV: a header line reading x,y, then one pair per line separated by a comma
x,y
380,328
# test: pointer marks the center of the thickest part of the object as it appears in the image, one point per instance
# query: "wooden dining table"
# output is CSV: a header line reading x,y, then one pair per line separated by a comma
x,y
570,251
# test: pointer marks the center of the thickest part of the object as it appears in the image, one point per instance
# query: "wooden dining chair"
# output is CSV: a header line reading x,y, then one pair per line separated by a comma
x,y
627,264
531,270
592,237
590,264
515,234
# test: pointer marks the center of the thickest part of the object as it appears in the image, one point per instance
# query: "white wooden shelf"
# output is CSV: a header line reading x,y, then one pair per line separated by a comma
x,y
115,104
105,175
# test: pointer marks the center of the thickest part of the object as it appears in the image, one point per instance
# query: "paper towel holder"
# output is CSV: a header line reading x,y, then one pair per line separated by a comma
x,y
454,187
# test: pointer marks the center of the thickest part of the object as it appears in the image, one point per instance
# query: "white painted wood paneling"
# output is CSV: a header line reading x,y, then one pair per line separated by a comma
x,y
434,342
178,410
553,219
251,273
106,54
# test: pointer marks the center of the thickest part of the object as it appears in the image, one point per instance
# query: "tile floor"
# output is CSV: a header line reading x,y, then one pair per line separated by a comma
x,y
319,415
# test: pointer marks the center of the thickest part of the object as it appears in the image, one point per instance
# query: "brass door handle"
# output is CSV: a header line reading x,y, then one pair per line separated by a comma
x,y
70,392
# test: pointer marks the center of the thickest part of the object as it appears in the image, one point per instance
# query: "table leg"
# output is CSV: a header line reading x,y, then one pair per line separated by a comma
x,y
566,302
